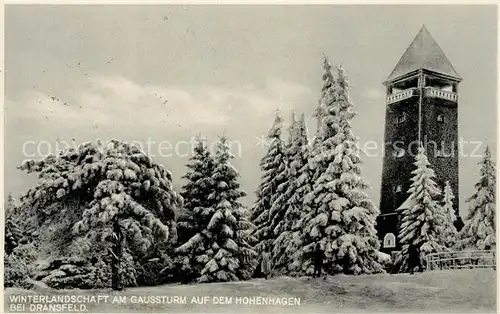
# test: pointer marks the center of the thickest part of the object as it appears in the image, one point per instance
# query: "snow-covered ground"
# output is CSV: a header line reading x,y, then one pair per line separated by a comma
x,y
440,291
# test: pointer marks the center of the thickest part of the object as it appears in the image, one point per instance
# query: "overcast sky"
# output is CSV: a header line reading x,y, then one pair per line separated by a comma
x,y
95,71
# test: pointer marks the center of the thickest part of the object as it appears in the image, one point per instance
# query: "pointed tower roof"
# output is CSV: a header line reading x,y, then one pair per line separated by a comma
x,y
423,53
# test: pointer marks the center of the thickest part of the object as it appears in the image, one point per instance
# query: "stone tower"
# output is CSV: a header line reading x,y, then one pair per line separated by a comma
x,y
421,107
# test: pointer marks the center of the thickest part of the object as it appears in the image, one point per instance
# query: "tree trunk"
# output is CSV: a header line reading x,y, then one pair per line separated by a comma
x,y
116,257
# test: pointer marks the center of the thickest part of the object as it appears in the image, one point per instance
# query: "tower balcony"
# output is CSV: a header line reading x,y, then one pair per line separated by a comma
x,y
439,93
428,92
402,95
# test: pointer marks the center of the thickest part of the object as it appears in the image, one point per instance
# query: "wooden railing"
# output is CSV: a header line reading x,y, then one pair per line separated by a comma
x,y
439,93
428,92
461,259
407,93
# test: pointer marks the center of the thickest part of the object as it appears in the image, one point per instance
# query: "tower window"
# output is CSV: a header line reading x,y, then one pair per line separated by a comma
x,y
389,240
440,118
398,188
398,152
401,118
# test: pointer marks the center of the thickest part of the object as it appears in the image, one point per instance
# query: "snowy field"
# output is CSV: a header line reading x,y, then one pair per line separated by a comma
x,y
443,291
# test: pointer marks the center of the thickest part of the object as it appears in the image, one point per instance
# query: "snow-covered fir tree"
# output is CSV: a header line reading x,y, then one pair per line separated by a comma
x,y
304,186
10,203
13,231
480,228
197,190
450,234
13,234
123,201
321,111
314,168
223,246
273,168
422,221
196,194
287,210
342,221
278,206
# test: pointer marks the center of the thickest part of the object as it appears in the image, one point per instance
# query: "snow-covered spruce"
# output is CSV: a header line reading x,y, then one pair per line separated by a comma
x,y
125,200
19,265
343,217
450,234
197,204
222,246
479,229
288,209
422,222
321,112
21,248
305,183
273,168
197,190
13,231
310,173
325,114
